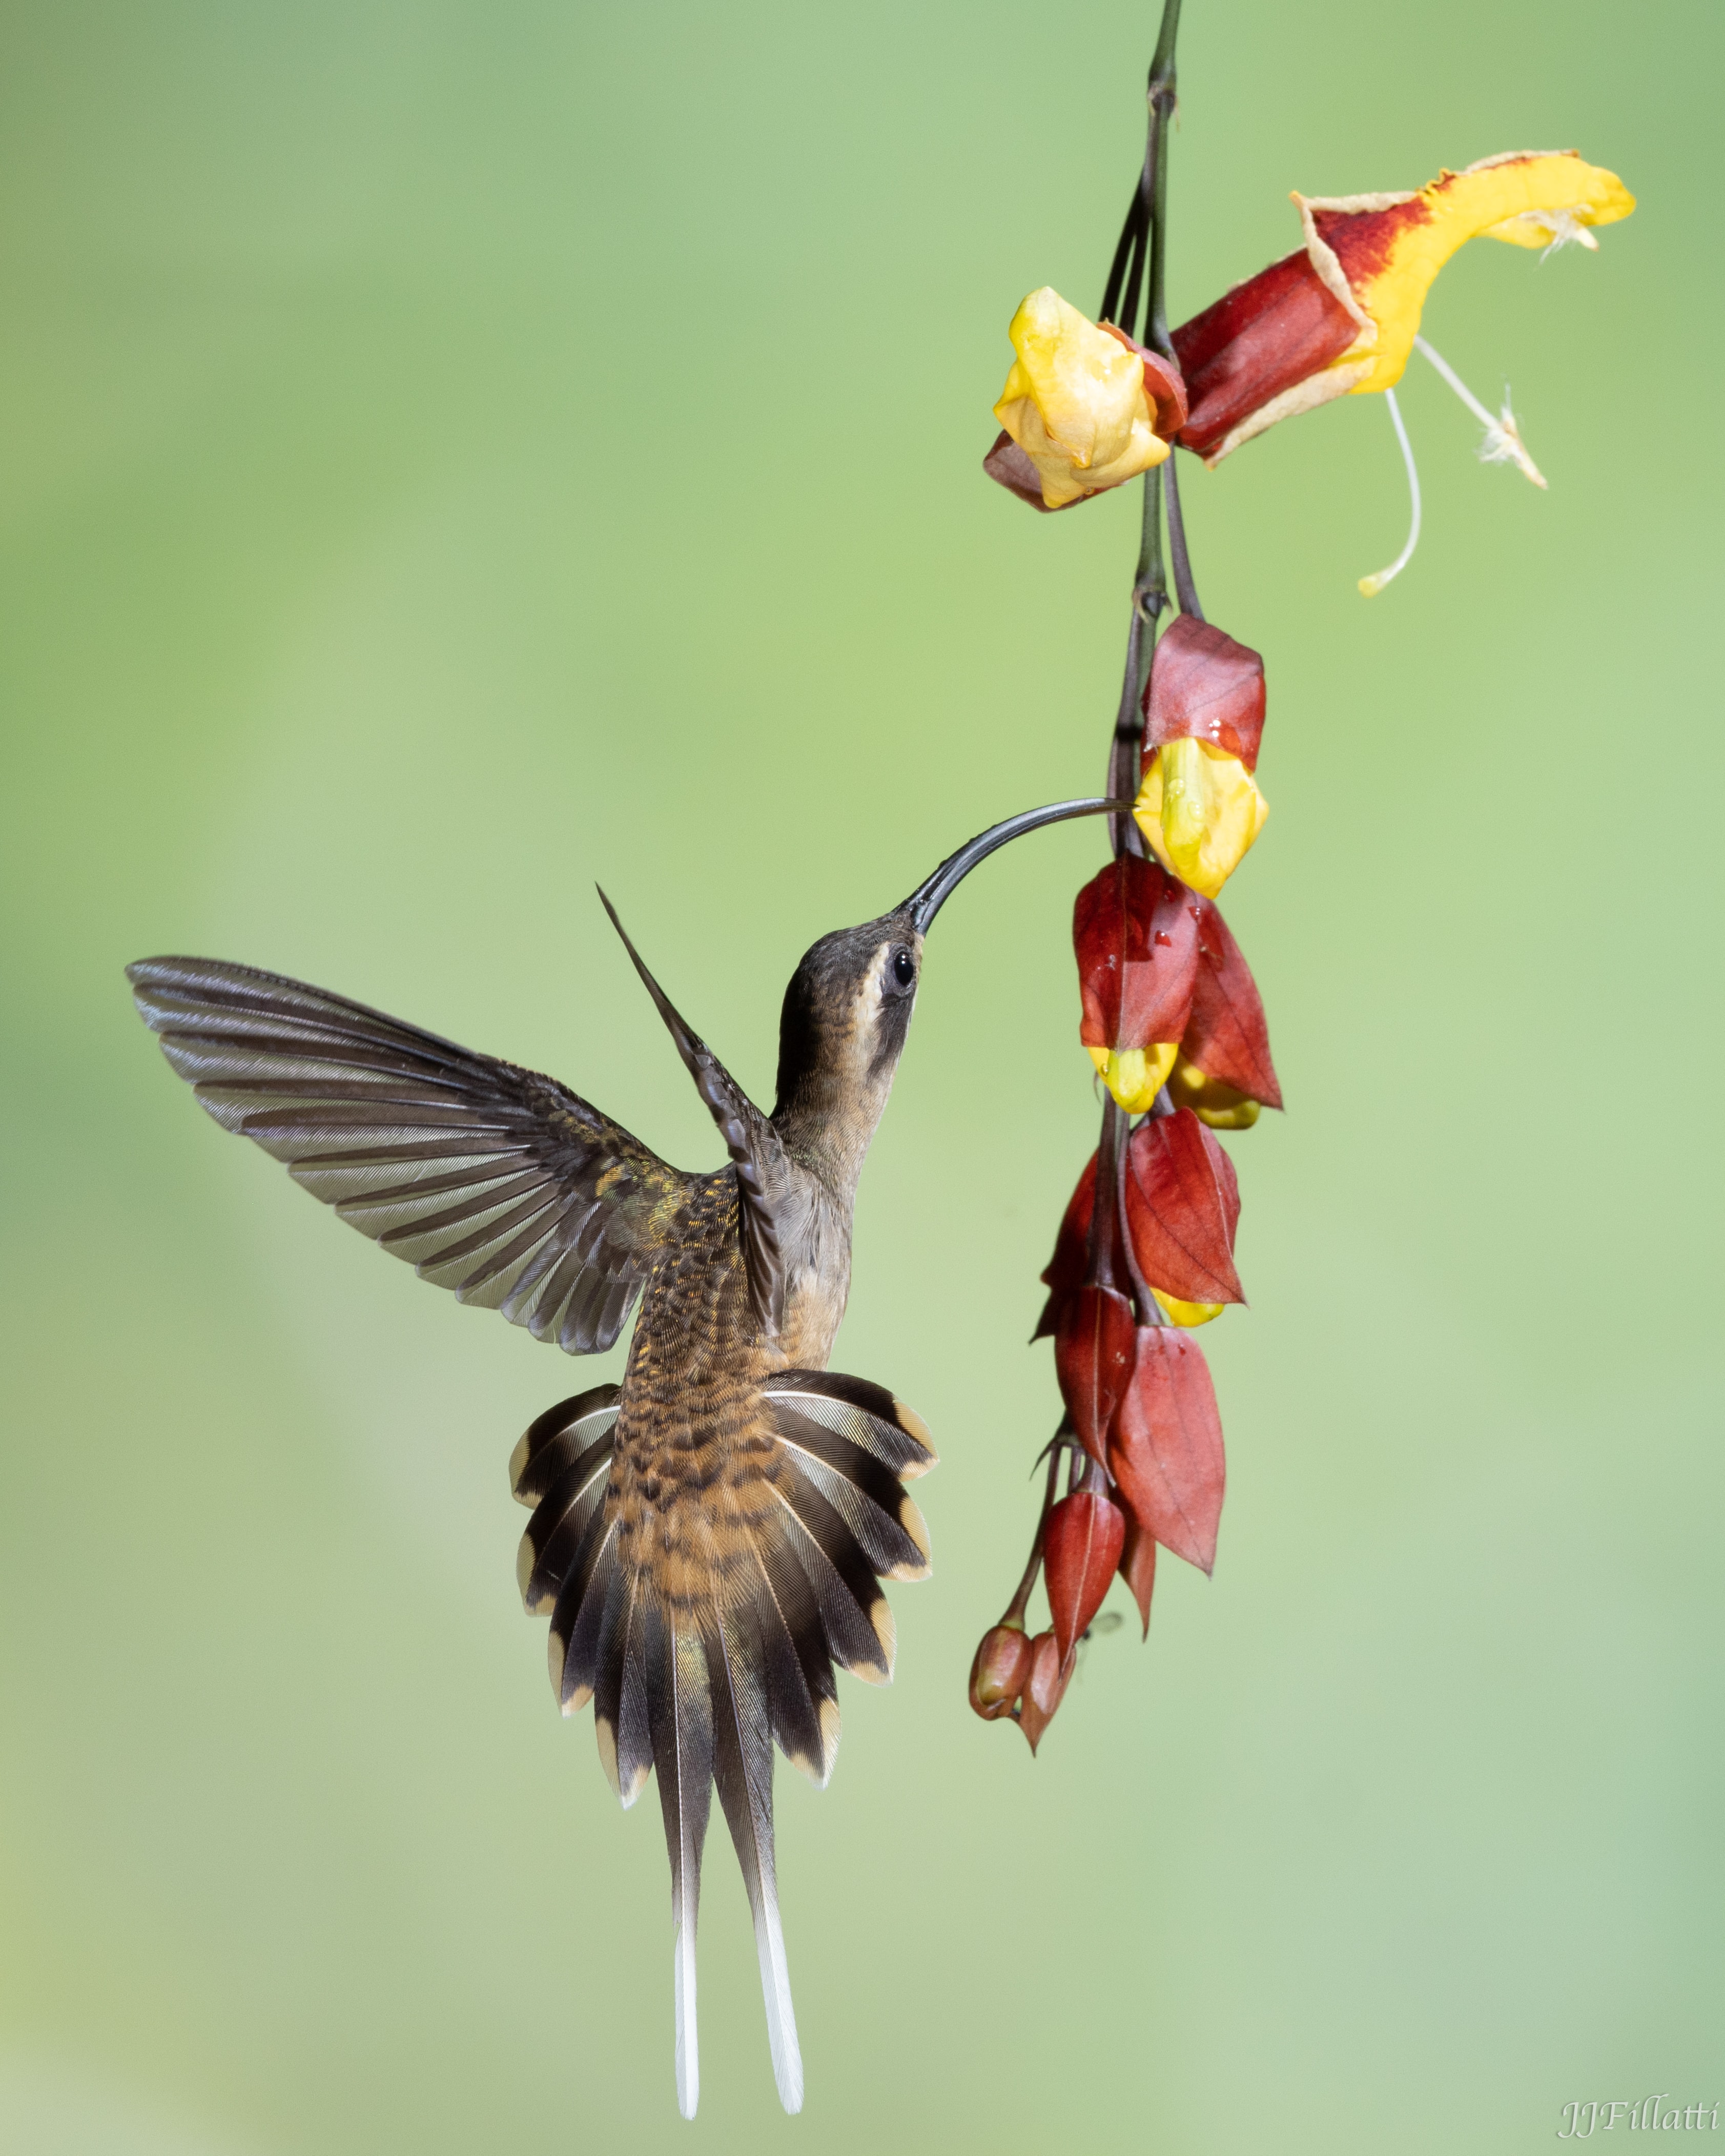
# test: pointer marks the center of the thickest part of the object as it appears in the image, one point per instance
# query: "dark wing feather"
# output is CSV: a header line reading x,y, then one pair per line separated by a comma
x,y
487,1179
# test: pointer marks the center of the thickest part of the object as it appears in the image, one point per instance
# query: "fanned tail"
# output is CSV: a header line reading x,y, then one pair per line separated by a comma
x,y
703,1618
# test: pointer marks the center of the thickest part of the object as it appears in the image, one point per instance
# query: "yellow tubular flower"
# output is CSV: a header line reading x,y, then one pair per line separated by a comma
x,y
1214,1101
1199,809
1379,253
1075,402
1135,1076
1187,1313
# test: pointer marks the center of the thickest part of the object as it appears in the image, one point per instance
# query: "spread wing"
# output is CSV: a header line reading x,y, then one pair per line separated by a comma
x,y
487,1179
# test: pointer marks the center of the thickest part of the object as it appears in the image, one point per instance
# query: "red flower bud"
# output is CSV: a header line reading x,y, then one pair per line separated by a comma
x,y
1205,687
1049,1674
1181,1201
1135,932
1137,1567
1081,1550
1063,1276
1267,338
1226,1036
1093,1360
1000,1671
1166,1450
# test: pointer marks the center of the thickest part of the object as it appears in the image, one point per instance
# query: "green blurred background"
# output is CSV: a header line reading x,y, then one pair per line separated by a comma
x,y
455,452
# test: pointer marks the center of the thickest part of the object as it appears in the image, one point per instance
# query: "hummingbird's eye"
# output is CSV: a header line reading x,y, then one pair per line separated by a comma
x,y
904,968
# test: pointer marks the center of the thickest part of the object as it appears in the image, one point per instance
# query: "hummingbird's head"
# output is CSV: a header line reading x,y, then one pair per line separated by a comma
x,y
846,1017
847,1010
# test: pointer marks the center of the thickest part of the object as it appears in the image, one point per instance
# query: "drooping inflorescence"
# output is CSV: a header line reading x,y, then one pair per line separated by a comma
x,y
1171,1016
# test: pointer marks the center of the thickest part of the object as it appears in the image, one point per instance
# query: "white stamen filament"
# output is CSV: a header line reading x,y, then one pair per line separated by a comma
x,y
1503,443
1371,586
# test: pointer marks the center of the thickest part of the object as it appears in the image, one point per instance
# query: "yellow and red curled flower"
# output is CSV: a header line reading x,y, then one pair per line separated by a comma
x,y
1339,315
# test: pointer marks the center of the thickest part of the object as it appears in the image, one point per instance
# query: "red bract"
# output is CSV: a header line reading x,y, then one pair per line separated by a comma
x,y
1181,1201
1138,1566
1049,1673
1063,1273
1080,1553
1135,932
1166,1450
1093,1361
1226,1035
1204,687
1008,466
1000,1671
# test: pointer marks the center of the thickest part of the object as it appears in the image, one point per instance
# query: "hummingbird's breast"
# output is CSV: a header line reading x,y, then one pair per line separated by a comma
x,y
814,1237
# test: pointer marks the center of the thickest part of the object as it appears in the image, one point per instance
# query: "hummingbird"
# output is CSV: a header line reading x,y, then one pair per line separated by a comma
x,y
708,1539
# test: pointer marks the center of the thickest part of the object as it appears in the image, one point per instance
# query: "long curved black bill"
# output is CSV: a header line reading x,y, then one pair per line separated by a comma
x,y
929,897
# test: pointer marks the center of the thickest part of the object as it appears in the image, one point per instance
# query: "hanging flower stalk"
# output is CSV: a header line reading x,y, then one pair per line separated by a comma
x,y
1170,1015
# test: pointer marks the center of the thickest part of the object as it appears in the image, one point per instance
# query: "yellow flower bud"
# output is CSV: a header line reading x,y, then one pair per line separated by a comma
x,y
1199,809
1135,1076
1075,402
1223,1106
1187,1313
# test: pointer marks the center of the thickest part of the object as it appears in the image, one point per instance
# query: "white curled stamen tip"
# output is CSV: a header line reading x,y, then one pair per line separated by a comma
x,y
1369,587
